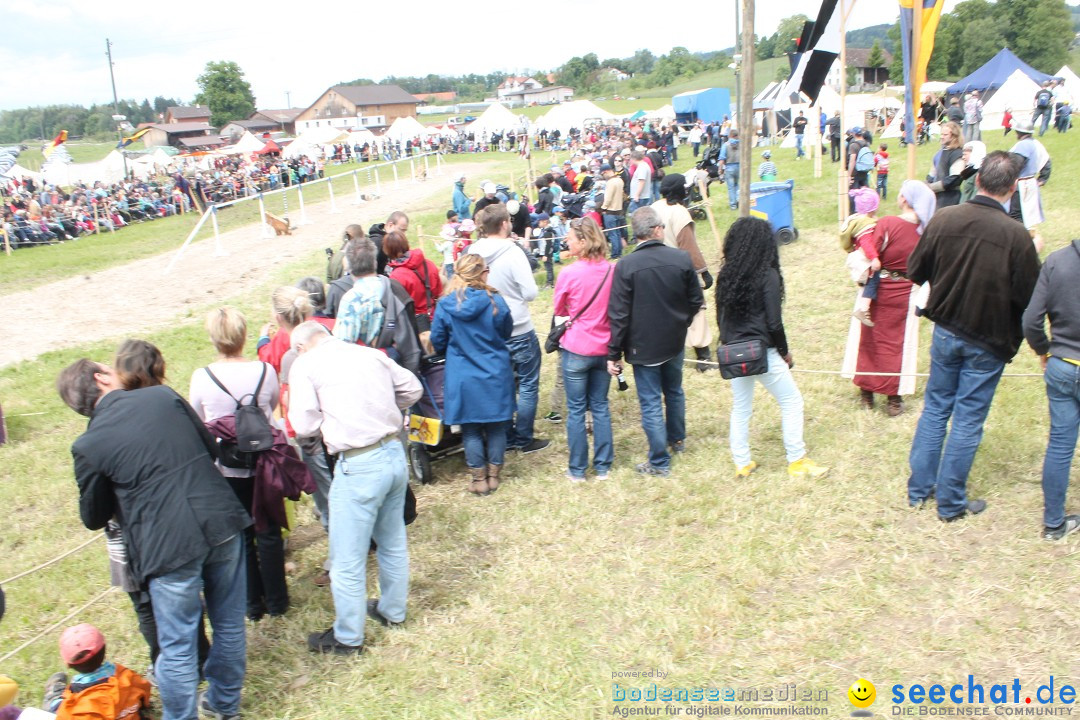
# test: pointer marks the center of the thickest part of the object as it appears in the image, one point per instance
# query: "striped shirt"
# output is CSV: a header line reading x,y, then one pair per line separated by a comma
x,y
767,168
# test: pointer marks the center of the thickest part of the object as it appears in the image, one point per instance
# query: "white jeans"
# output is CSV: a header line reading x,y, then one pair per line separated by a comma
x,y
781,384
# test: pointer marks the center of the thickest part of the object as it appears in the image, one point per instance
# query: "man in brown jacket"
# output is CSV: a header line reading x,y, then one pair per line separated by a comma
x,y
982,268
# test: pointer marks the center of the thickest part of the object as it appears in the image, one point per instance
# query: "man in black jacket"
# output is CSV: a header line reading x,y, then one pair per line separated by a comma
x,y
398,221
655,295
982,267
147,459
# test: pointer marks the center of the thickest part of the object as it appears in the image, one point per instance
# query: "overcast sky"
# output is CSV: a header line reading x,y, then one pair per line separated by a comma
x,y
54,50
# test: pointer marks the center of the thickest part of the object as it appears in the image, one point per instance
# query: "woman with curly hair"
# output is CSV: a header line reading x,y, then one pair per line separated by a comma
x,y
471,326
749,293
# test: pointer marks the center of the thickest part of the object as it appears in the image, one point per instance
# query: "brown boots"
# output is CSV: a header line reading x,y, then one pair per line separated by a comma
x,y
485,480
493,476
866,399
479,484
896,406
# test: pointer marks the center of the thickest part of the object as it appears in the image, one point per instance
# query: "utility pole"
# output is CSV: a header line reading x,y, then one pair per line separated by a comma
x,y
117,118
288,102
747,135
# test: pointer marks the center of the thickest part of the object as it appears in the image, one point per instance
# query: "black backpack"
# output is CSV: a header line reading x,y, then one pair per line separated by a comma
x,y
1043,98
253,433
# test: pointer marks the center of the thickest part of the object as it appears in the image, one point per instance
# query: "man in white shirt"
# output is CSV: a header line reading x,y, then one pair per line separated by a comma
x,y
355,396
640,182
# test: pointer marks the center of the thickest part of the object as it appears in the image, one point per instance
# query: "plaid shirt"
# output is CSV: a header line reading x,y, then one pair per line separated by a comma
x,y
360,314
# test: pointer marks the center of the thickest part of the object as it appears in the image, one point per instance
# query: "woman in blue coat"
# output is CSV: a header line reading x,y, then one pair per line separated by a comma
x,y
471,327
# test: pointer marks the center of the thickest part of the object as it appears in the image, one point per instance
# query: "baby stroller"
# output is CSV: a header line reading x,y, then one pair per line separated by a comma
x,y
574,204
710,163
429,438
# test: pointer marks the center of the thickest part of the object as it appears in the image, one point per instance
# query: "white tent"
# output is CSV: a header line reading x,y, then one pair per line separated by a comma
x,y
1072,81
109,170
665,113
162,159
571,115
405,128
1017,93
18,172
359,137
248,143
495,119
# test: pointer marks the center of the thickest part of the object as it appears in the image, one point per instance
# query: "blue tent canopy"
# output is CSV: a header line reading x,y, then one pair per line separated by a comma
x,y
995,72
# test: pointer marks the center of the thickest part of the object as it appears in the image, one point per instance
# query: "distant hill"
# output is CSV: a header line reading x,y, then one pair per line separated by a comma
x,y
865,37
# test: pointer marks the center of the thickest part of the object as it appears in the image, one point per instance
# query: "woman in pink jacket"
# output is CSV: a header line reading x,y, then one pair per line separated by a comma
x,y
581,295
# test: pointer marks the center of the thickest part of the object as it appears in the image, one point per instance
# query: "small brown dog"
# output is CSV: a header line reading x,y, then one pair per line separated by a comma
x,y
281,226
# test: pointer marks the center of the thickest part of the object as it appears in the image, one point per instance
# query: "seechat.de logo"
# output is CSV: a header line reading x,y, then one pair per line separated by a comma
x,y
862,694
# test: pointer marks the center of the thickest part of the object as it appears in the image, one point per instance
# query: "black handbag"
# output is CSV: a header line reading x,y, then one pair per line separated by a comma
x,y
742,359
551,344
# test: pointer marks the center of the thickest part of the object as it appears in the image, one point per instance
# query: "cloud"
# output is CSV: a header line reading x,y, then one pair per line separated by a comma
x,y
44,12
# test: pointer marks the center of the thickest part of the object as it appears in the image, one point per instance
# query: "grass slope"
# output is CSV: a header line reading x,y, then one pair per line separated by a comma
x,y
524,604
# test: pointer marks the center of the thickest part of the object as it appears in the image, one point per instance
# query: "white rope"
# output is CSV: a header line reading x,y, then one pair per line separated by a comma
x,y
55,560
57,624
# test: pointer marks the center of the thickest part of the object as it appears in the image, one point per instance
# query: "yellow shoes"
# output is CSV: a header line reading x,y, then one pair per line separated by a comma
x,y
745,470
807,468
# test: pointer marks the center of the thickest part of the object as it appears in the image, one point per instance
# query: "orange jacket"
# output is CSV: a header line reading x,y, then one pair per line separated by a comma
x,y
124,696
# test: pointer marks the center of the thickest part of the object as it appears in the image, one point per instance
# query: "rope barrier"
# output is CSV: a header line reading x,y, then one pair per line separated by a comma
x,y
55,626
55,560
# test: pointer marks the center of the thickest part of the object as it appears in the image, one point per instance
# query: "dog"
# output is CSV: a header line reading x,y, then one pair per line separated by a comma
x,y
281,226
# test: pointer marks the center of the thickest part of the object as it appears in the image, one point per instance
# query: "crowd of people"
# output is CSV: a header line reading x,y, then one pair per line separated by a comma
x,y
192,491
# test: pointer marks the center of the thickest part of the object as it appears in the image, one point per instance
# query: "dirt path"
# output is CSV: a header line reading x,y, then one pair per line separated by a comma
x,y
138,298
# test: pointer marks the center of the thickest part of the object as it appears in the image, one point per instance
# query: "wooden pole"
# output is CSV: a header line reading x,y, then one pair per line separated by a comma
x,y
846,7
746,108
709,214
7,240
916,86
97,223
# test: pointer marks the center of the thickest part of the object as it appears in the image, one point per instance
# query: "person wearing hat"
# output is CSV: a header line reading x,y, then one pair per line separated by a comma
x,y
570,173
100,689
679,234
559,178
460,201
767,169
1026,205
612,208
489,198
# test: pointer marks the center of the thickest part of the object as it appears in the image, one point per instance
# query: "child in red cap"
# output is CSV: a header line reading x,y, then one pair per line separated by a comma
x,y
99,689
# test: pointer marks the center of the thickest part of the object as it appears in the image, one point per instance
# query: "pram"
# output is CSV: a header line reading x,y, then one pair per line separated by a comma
x,y
574,204
429,438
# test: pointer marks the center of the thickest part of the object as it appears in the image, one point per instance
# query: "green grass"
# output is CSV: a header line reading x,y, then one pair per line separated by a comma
x,y
81,152
523,604
764,73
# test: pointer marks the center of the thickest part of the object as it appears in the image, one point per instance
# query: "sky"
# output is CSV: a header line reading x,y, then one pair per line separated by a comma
x,y
54,50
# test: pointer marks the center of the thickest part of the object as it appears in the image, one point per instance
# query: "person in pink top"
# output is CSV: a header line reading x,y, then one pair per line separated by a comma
x,y
581,295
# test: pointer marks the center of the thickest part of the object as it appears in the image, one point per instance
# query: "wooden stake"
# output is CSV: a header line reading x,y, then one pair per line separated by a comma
x,y
746,108
7,240
709,214
97,223
916,87
846,7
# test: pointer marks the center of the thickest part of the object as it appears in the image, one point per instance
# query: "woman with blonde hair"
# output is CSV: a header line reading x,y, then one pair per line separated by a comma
x,y
581,295
948,164
471,326
215,391
291,306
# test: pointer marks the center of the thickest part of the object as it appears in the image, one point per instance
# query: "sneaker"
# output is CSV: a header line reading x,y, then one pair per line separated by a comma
x,y
807,468
54,689
746,470
1071,524
863,316
535,446
974,507
678,446
325,642
647,468
206,710
574,478
553,417
374,614
602,477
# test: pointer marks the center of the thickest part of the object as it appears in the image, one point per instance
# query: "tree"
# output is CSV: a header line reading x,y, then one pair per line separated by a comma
x,y
896,69
1043,38
765,48
787,34
641,63
782,73
224,90
876,59
850,75
983,38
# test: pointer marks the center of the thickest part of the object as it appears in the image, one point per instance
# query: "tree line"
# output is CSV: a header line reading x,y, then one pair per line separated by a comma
x,y
94,122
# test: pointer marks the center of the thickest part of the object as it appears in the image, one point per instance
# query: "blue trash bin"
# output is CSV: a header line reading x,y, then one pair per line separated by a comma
x,y
774,199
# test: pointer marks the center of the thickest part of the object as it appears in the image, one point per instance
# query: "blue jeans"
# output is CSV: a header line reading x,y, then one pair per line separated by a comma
x,y
799,152
525,358
635,204
587,381
485,443
613,236
220,575
963,378
781,385
731,179
883,185
1063,391
653,382
319,466
367,501
1046,113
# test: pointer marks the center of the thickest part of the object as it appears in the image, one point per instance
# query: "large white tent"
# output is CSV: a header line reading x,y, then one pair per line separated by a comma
x,y
1016,94
405,128
1072,80
664,114
108,170
248,143
571,115
496,118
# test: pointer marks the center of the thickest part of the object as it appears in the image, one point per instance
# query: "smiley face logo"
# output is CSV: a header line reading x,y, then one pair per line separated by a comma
x,y
862,693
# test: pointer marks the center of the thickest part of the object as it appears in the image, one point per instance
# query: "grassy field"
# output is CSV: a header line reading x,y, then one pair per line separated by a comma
x,y
524,605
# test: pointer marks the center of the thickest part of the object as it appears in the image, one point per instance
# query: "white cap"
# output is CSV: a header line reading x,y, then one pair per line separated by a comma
x,y
489,188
